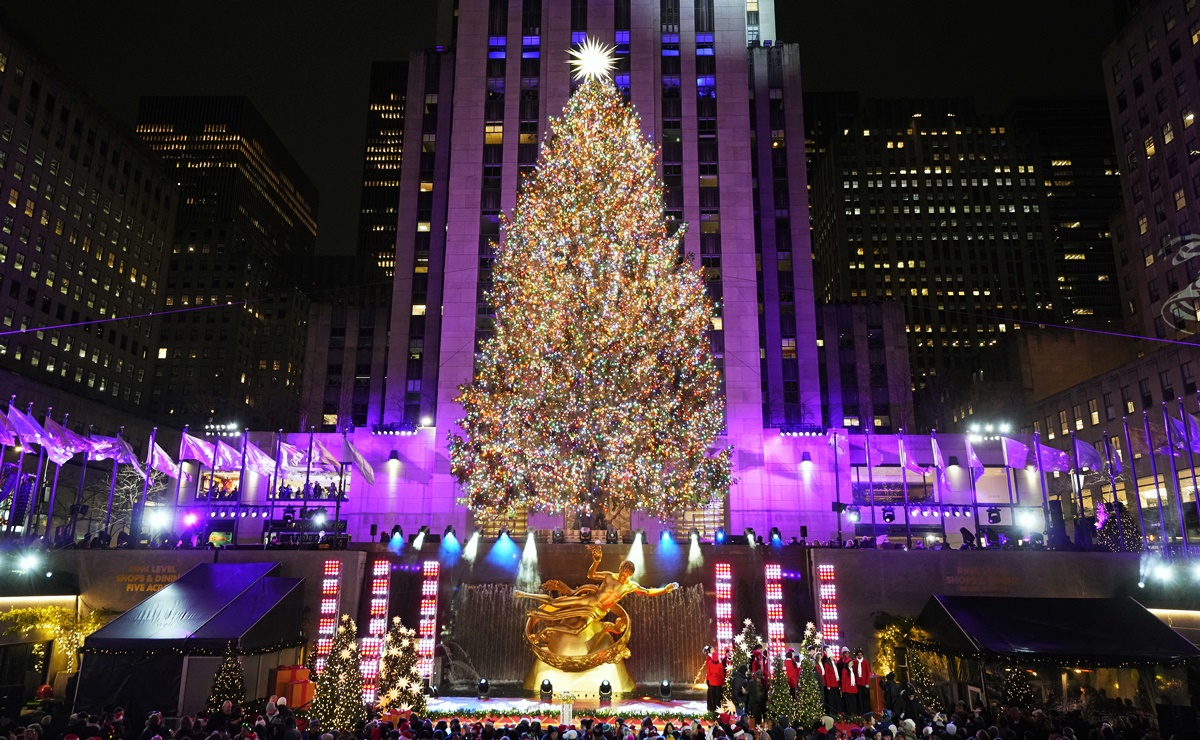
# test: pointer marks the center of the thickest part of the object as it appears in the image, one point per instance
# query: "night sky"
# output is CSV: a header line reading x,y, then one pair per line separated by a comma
x,y
305,63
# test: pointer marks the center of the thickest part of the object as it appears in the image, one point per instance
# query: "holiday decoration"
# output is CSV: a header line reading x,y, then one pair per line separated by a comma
x,y
1108,530
744,643
779,693
338,703
918,676
1018,692
63,625
809,706
228,682
400,685
597,392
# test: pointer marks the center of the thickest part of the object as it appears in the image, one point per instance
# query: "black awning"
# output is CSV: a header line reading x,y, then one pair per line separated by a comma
x,y
1100,632
207,607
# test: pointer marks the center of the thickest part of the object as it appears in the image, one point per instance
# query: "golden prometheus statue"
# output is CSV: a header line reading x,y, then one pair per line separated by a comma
x,y
573,631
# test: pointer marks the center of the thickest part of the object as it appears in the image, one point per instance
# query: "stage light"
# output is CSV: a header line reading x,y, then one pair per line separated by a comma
x,y
665,536
244,513
1141,584
945,512
190,520
1164,573
664,690
547,690
419,540
212,514
751,536
954,511
889,514
319,519
1027,520
993,515
695,554
483,688
585,535
612,536
719,537
426,421
776,536
558,536
853,514
28,561
605,690
1196,571
806,458
471,551
394,458
158,520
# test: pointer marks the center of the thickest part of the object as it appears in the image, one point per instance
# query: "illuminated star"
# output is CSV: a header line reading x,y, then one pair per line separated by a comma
x,y
592,60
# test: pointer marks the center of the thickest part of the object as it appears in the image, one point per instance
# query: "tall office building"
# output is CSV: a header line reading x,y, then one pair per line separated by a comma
x,y
1077,161
732,161
1154,98
86,213
928,204
382,156
247,220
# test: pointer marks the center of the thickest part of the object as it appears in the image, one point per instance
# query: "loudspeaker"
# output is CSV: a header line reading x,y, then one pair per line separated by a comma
x,y
374,530
803,531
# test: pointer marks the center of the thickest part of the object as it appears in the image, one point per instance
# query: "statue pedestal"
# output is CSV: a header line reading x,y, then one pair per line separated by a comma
x,y
582,683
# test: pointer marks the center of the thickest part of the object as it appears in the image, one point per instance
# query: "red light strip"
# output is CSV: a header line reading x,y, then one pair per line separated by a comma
x,y
827,596
427,633
381,590
331,591
724,608
774,610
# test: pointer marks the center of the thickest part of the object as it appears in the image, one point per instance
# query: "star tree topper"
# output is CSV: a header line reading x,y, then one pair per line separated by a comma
x,y
592,60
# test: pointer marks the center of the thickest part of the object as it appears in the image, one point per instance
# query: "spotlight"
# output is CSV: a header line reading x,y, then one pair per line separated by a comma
x,y
719,537
547,690
751,536
993,515
158,520
806,457
419,539
1163,573
889,514
605,690
665,536
776,536
212,514
244,513
585,534
954,511
945,513
558,536
318,519
28,562
394,457
190,520
483,688
1027,520
664,690
694,534
853,514
1141,584
449,533
612,536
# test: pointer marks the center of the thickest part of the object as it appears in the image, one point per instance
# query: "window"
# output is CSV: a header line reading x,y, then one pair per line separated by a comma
x,y
1189,379
1110,411
1093,411
1147,397
1168,133
1062,421
1168,388
1078,417
1127,399
1180,199
1149,146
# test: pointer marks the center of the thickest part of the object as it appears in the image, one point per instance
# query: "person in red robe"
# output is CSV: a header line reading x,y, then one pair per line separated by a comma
x,y
714,676
848,685
791,666
862,677
827,671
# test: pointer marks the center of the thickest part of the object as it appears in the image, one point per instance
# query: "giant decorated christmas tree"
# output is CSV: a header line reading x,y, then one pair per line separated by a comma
x,y
597,392
338,703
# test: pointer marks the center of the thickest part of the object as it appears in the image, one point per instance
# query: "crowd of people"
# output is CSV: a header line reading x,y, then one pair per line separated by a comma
x,y
276,721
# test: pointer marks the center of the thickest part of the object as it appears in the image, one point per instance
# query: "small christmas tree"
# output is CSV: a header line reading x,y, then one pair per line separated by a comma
x,y
1017,690
779,693
228,682
1109,530
338,703
744,643
399,684
918,676
810,701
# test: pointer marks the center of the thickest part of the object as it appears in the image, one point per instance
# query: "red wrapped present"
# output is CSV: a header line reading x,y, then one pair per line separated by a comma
x,y
300,693
289,674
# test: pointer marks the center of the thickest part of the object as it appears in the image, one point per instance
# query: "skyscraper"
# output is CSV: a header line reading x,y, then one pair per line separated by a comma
x,y
381,164
929,204
732,162
247,220
86,214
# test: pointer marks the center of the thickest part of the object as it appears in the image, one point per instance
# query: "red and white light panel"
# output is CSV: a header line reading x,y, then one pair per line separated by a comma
x,y
331,591
377,619
427,633
827,594
774,609
724,608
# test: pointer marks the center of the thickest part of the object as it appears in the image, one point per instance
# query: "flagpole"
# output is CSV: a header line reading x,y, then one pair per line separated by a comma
x,y
1008,481
137,522
1137,493
870,484
837,480
971,458
1112,479
12,503
274,484
1187,434
308,465
237,512
112,486
212,477
1175,479
179,472
53,488
79,488
1077,478
904,485
1162,523
39,475
1037,456
939,463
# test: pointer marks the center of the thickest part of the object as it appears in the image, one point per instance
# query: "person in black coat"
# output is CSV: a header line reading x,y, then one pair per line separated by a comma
x,y
756,697
738,686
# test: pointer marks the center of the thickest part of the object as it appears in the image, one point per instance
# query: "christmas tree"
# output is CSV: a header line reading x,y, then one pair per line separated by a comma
x,y
400,685
810,700
744,643
338,703
1109,530
597,392
228,682
1017,690
779,693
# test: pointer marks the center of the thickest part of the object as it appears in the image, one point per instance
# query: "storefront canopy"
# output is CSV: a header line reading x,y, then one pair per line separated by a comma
x,y
1098,632
206,608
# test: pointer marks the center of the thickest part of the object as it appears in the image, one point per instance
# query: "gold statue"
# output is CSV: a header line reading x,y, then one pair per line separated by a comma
x,y
570,631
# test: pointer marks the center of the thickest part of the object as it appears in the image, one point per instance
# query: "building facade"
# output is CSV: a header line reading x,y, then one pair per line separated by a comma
x,y
86,216
382,156
865,378
234,345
